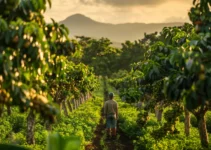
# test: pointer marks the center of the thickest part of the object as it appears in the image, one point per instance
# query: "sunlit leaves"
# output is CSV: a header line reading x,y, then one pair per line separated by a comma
x,y
25,57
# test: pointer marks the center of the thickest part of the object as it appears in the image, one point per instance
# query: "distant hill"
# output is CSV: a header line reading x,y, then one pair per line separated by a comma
x,y
79,24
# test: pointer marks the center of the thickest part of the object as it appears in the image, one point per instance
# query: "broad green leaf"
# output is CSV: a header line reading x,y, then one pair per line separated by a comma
x,y
56,142
193,42
189,63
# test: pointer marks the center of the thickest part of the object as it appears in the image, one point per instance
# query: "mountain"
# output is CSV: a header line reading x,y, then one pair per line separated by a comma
x,y
79,24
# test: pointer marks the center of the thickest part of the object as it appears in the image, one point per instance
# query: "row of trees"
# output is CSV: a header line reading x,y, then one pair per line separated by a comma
x,y
176,70
37,63
106,59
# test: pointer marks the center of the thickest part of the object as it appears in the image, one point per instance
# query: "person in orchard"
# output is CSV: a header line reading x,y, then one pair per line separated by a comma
x,y
111,115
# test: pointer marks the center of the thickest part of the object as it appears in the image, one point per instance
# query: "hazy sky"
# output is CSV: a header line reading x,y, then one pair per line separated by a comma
x,y
122,11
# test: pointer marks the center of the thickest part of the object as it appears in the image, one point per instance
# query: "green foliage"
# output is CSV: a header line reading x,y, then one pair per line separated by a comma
x,y
119,74
105,59
79,124
5,129
169,127
17,122
143,117
132,52
127,120
18,138
143,139
200,15
132,95
55,142
27,55
194,121
35,59
100,55
40,134
177,65
191,77
128,86
208,121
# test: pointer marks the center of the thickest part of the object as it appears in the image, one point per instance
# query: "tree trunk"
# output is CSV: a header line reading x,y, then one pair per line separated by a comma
x,y
48,126
30,128
85,98
203,130
187,122
82,96
64,108
56,96
159,111
9,110
1,109
88,96
60,106
159,115
81,101
74,103
69,106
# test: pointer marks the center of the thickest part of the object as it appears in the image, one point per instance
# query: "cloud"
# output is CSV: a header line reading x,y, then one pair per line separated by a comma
x,y
168,11
123,3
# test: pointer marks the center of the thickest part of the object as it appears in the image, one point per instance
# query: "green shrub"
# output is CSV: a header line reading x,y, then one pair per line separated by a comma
x,y
182,118
18,122
5,129
40,134
19,138
193,121
128,116
208,121
169,142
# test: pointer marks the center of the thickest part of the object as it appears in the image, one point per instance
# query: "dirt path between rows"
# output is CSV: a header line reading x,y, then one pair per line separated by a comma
x,y
99,143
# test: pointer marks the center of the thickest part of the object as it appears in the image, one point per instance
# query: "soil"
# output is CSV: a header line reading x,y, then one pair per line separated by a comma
x,y
122,143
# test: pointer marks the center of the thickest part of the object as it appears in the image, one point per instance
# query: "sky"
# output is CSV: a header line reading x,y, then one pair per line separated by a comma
x,y
122,11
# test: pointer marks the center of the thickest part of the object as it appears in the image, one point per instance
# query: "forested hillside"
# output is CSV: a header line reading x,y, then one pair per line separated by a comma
x,y
80,25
